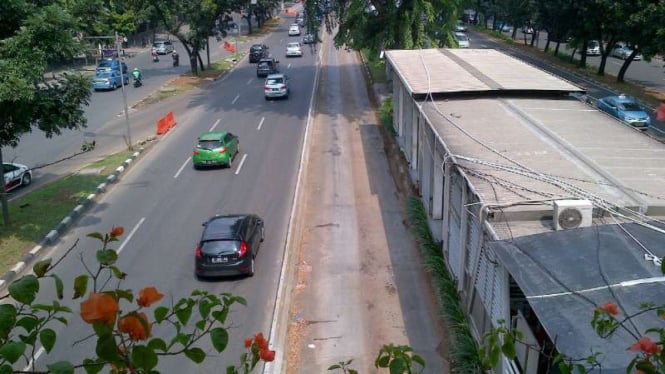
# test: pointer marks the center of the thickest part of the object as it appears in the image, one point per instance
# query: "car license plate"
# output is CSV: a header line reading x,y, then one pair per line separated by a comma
x,y
219,260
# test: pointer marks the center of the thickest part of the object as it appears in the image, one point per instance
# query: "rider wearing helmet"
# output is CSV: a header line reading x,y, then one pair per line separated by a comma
x,y
136,73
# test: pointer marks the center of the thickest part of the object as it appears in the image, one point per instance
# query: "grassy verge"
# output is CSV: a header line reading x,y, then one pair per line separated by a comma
x,y
464,356
386,116
36,213
376,65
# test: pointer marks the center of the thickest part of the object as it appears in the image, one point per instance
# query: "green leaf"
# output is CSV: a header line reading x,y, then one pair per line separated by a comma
x,y
96,235
333,367
183,314
195,354
62,320
59,287
92,366
382,362
118,274
160,313
231,370
12,351
220,338
61,367
41,267
6,369
397,366
47,338
24,290
144,357
201,324
508,347
351,371
157,344
80,286
221,315
29,339
107,257
125,294
662,265
107,349
28,323
419,360
204,308
7,319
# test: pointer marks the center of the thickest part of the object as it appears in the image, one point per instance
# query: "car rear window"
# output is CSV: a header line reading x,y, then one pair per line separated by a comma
x,y
293,45
215,247
256,48
274,81
209,144
264,65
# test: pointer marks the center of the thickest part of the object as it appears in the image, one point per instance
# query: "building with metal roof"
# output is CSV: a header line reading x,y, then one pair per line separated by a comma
x,y
545,206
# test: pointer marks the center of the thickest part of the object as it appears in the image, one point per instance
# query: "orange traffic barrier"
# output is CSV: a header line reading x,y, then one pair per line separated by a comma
x,y
165,123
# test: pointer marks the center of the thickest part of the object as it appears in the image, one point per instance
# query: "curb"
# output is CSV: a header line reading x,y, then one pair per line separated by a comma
x,y
66,222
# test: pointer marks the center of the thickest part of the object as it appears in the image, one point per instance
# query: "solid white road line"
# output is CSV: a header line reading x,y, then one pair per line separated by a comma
x,y
250,81
288,66
261,123
39,352
215,125
244,157
236,99
182,167
129,237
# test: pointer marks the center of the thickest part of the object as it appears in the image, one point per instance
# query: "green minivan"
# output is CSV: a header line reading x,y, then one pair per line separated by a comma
x,y
215,148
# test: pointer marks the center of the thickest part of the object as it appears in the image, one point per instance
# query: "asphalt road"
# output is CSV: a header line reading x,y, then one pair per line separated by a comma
x,y
162,202
594,90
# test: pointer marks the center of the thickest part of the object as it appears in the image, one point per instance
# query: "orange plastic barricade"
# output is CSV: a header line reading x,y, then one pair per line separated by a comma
x,y
166,123
170,120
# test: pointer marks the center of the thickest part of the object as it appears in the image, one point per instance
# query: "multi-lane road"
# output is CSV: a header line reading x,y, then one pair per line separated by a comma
x,y
162,201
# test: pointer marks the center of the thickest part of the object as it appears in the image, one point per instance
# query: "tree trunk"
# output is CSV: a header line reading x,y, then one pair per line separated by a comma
x,y
547,44
208,51
201,66
556,49
3,195
193,63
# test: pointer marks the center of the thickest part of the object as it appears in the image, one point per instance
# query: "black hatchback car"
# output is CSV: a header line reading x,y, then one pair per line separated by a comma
x,y
257,52
229,245
267,66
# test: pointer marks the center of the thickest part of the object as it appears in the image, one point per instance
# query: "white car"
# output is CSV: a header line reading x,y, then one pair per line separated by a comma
x,y
276,86
294,30
293,49
462,40
16,175
623,51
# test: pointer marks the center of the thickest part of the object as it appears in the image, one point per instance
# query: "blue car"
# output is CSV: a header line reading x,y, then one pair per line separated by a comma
x,y
111,64
109,80
626,109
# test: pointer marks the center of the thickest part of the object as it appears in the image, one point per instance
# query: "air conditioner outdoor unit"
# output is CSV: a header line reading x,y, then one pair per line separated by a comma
x,y
571,214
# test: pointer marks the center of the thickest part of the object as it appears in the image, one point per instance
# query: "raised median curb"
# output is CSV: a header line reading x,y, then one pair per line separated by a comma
x,y
67,222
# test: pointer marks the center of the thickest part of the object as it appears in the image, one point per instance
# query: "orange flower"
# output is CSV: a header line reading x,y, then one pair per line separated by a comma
x,y
267,355
135,325
148,296
261,341
248,342
610,308
646,345
117,231
99,308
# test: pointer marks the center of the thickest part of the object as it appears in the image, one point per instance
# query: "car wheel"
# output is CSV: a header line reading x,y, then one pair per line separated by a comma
x,y
250,273
286,97
267,98
237,149
26,179
114,87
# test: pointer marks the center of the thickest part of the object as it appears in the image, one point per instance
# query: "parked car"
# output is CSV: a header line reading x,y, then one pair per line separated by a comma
x,y
294,29
109,80
623,51
504,27
215,148
163,47
593,48
276,86
300,20
229,245
293,49
526,29
111,64
626,109
462,40
309,39
461,26
267,66
257,52
16,175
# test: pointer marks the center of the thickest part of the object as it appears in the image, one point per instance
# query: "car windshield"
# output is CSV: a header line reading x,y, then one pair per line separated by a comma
x,y
157,44
105,75
274,81
209,144
264,65
256,48
593,44
293,45
462,38
215,247
631,107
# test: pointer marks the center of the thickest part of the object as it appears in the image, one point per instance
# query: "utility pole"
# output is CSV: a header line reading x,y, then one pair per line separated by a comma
x,y
124,95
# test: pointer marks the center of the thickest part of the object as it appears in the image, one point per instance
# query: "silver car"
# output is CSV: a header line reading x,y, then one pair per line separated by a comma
x,y
16,175
276,86
163,47
293,49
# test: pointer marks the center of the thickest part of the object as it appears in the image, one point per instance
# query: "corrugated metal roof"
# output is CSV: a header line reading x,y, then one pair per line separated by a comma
x,y
470,70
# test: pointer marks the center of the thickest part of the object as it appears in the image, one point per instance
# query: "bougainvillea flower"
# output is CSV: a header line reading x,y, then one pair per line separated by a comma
x,y
117,231
99,308
267,355
148,296
248,342
646,345
261,342
135,325
610,308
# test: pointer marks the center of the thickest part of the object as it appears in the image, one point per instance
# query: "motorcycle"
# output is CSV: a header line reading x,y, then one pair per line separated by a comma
x,y
155,57
176,60
137,82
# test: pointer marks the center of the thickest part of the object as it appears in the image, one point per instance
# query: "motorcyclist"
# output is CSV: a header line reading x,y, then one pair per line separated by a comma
x,y
176,58
136,73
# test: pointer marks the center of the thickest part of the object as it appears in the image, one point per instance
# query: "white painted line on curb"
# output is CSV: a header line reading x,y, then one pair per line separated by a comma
x,y
182,167
129,237
250,81
236,99
36,250
18,267
215,125
244,157
261,123
39,352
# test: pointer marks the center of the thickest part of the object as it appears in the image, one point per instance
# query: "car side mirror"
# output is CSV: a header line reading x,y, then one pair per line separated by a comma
x,y
204,224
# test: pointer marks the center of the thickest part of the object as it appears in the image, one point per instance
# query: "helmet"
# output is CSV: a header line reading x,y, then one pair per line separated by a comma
x,y
136,69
